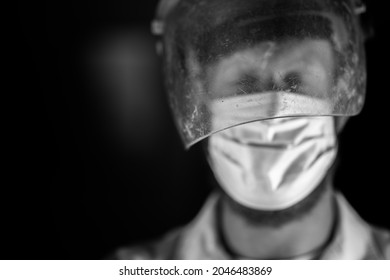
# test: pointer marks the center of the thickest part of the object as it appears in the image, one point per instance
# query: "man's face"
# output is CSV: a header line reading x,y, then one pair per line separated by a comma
x,y
258,79
271,165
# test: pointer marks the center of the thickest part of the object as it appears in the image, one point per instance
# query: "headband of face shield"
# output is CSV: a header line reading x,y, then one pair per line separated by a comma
x,y
229,62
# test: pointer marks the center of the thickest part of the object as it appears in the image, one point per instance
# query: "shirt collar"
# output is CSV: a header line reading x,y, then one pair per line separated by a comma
x,y
201,240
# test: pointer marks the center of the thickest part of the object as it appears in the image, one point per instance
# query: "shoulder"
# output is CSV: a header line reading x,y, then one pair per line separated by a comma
x,y
163,248
381,242
360,239
196,240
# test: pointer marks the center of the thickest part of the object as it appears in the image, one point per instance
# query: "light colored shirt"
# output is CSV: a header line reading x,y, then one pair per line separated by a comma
x,y
353,239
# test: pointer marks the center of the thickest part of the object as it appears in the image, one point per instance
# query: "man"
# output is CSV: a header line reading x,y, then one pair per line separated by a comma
x,y
266,85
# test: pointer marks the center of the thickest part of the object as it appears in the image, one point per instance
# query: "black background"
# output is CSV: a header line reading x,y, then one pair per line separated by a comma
x,y
71,192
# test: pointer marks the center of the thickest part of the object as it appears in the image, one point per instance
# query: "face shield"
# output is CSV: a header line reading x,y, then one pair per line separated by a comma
x,y
229,62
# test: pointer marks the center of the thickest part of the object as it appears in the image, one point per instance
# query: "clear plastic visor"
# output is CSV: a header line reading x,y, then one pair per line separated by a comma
x,y
250,67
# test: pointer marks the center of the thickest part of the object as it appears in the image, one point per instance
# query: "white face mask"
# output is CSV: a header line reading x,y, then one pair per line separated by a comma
x,y
273,164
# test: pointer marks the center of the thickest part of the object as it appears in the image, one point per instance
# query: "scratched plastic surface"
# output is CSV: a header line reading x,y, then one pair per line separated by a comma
x,y
229,62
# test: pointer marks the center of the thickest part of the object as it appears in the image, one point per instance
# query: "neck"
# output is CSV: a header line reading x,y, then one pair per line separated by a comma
x,y
292,239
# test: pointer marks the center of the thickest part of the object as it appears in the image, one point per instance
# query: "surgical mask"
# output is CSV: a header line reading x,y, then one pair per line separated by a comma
x,y
273,164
